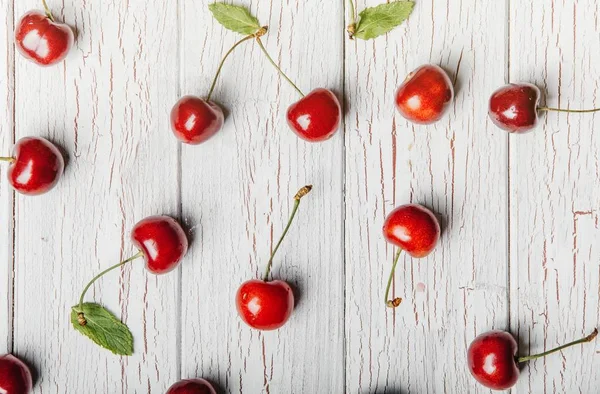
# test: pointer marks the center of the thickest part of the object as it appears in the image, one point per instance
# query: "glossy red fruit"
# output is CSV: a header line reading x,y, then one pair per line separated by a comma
x,y
41,40
37,166
413,228
425,95
163,242
194,120
15,377
492,360
192,386
316,117
514,107
265,305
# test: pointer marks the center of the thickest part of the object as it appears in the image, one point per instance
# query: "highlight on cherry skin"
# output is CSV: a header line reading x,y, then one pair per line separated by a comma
x,y
268,305
15,376
35,166
192,386
413,229
493,361
425,95
515,107
39,38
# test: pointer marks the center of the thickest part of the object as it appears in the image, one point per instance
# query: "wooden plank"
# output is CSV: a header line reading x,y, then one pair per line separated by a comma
x,y
456,167
107,106
6,194
554,181
237,194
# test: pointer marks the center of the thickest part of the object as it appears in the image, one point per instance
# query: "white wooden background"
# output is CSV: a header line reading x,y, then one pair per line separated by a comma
x,y
520,214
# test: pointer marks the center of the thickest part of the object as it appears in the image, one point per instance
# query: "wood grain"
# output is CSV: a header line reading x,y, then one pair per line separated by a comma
x,y
237,194
6,194
457,168
554,184
107,107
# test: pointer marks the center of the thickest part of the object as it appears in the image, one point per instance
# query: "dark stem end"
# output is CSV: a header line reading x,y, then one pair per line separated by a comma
x,y
81,319
303,192
351,29
261,32
8,159
394,303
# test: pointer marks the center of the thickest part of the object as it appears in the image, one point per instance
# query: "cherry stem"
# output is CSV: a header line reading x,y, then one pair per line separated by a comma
x,y
277,67
352,26
575,111
396,301
301,193
214,83
589,338
47,10
9,159
81,319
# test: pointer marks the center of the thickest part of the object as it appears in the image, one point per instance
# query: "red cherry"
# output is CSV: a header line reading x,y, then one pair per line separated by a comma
x,y
42,40
194,120
268,305
265,305
514,107
316,117
493,361
15,377
412,228
425,95
163,242
35,167
192,386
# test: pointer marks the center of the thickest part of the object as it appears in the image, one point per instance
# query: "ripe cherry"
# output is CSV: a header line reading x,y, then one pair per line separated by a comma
x,y
192,386
160,240
425,95
493,361
41,39
15,377
194,120
316,117
268,305
515,107
414,229
35,166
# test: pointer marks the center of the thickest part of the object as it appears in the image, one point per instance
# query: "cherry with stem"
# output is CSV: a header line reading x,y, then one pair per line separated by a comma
x,y
268,304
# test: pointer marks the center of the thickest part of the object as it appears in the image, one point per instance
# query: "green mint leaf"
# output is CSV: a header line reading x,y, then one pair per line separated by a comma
x,y
103,328
234,18
375,21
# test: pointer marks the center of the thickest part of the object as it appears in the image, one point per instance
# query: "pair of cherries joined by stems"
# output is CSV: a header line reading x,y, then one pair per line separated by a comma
x,y
315,117
424,97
